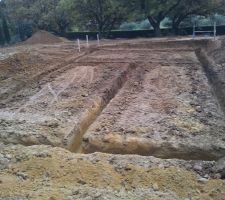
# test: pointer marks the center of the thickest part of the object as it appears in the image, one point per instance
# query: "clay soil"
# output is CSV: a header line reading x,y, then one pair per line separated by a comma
x,y
85,125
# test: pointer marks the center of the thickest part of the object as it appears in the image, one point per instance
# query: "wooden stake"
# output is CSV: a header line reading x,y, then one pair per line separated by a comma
x,y
98,39
87,40
214,30
193,36
78,43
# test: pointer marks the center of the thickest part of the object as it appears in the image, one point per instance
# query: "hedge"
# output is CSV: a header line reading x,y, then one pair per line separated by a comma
x,y
140,33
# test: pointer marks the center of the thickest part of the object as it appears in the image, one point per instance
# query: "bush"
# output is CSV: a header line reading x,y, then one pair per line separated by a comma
x,y
128,26
139,25
25,30
144,25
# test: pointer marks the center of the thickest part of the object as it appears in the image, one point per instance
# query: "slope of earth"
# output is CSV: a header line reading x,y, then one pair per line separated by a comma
x,y
167,108
214,65
42,172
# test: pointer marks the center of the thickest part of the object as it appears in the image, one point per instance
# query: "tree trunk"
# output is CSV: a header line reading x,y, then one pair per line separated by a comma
x,y
177,21
2,38
6,30
157,30
156,25
175,28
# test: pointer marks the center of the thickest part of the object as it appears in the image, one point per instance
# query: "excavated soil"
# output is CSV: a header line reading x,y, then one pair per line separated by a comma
x,y
42,172
43,37
162,98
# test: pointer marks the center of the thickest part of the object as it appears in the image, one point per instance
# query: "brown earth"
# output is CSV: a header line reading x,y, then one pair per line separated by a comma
x,y
162,98
53,100
43,37
166,109
42,172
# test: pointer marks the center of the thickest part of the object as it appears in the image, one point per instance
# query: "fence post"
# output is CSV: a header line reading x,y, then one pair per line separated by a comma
x,y
214,30
78,42
193,36
98,39
87,40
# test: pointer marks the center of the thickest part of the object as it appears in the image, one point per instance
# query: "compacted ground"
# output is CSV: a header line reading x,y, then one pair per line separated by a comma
x,y
140,98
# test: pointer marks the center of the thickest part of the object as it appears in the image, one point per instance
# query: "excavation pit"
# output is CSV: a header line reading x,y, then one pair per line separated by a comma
x,y
147,98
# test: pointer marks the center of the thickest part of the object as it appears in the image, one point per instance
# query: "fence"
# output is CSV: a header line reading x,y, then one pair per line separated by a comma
x,y
206,32
141,33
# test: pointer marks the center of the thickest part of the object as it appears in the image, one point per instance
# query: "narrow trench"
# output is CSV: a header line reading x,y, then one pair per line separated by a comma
x,y
214,80
73,141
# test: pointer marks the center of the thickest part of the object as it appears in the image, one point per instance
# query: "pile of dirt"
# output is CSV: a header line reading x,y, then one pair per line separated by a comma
x,y
44,37
61,175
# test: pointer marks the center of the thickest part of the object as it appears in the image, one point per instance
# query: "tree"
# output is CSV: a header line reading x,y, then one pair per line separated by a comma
x,y
100,15
23,17
5,35
2,38
20,16
5,29
64,16
157,10
37,13
187,8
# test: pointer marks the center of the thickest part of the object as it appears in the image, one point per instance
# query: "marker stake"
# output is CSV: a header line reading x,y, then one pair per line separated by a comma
x,y
87,40
98,39
78,43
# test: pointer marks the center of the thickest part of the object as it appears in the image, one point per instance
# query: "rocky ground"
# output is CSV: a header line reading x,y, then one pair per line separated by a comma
x,y
129,100
43,172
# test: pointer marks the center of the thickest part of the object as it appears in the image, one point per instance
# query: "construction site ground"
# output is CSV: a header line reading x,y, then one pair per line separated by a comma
x,y
126,119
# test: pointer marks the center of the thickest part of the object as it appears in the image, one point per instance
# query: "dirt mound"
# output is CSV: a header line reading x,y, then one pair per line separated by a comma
x,y
61,175
44,37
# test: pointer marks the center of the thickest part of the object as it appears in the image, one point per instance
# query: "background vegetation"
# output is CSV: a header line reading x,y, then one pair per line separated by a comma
x,y
20,18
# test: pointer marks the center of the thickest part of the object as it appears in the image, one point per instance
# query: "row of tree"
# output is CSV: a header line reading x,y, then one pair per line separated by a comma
x,y
59,16
176,10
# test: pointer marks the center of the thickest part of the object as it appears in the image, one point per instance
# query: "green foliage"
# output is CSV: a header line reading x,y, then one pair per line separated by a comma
x,y
42,14
140,25
6,30
100,15
2,37
220,19
156,11
189,8
25,30
23,17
